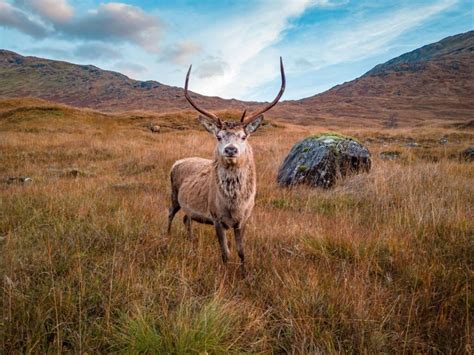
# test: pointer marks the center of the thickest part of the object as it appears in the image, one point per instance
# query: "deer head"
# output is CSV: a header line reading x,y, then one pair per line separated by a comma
x,y
232,136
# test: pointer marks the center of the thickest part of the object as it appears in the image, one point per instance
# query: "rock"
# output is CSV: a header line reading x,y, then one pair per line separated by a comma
x,y
443,141
18,179
320,160
411,145
154,128
390,155
467,154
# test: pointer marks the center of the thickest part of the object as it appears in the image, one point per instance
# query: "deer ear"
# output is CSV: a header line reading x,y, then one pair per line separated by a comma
x,y
253,125
209,125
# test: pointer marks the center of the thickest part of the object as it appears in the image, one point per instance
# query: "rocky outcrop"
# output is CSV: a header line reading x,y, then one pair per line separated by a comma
x,y
321,160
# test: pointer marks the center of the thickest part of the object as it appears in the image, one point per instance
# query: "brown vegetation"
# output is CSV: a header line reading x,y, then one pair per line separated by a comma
x,y
380,263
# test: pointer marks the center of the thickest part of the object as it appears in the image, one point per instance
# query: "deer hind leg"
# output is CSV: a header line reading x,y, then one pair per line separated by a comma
x,y
175,207
172,211
220,232
239,242
187,222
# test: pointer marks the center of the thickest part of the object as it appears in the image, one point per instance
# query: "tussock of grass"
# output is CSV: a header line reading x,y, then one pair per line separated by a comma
x,y
213,326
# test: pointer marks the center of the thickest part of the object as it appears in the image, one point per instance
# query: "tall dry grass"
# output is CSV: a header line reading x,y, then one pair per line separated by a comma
x,y
381,263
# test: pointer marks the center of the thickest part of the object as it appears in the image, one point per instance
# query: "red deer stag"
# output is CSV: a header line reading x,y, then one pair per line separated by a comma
x,y
221,191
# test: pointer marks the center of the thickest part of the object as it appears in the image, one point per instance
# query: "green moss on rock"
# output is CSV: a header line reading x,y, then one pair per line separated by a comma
x,y
302,168
331,135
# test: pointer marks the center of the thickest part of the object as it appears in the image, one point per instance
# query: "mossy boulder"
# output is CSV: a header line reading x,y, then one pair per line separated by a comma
x,y
467,154
322,159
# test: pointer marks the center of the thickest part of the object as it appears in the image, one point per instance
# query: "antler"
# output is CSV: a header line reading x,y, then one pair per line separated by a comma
x,y
243,116
273,103
188,97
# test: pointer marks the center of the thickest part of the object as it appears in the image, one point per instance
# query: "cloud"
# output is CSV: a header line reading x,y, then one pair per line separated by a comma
x,y
181,52
212,67
96,51
251,45
113,21
56,11
116,22
238,40
50,52
303,63
130,69
348,43
12,17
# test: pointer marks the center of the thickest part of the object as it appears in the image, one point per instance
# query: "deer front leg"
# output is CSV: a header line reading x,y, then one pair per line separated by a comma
x,y
220,232
239,242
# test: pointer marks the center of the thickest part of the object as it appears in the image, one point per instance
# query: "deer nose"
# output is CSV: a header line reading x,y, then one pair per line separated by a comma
x,y
230,150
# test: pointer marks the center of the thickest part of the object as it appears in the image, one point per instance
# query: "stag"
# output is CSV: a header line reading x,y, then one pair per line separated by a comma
x,y
220,191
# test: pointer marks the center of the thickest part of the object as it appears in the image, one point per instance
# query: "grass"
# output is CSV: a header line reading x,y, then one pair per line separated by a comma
x,y
380,263
213,325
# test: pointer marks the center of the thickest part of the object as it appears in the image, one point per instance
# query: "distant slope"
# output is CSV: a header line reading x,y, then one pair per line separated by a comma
x,y
432,82
33,114
89,86
435,82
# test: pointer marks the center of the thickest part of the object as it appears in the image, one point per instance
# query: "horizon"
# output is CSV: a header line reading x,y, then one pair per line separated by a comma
x,y
349,37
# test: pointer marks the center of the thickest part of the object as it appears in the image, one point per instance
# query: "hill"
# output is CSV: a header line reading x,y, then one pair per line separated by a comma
x,y
91,87
435,82
432,83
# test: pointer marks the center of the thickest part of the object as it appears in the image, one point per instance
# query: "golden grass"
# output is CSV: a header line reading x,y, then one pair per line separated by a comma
x,y
381,263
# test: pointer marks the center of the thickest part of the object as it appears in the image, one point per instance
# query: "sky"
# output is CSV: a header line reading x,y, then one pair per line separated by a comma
x,y
234,46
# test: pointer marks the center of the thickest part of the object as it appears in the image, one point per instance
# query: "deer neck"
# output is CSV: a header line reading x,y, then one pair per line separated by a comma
x,y
237,181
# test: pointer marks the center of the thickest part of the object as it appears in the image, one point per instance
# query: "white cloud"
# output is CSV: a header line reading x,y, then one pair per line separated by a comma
x,y
240,39
303,63
56,11
211,67
180,53
11,17
117,21
347,41
96,51
112,21
374,36
130,69
351,41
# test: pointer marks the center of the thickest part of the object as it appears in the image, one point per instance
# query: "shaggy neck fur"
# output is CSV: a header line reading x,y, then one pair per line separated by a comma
x,y
236,182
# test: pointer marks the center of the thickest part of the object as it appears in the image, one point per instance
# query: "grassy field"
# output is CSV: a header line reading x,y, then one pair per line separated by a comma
x,y
381,263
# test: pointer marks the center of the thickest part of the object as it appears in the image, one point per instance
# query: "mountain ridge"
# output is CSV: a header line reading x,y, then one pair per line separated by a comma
x,y
90,86
434,82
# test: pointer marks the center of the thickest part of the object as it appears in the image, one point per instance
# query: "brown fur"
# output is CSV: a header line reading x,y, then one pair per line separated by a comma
x,y
215,192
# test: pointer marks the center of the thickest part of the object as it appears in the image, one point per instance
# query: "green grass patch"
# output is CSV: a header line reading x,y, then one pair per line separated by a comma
x,y
192,328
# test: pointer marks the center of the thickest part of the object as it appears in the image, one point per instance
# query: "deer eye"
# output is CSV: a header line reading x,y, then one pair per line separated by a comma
x,y
219,138
243,138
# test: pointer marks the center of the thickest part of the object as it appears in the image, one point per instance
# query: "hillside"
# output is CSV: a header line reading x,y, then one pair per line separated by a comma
x,y
432,83
89,86
435,82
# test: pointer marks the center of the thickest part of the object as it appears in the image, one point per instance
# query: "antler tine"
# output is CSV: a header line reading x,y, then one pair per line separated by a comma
x,y
188,97
243,116
275,101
